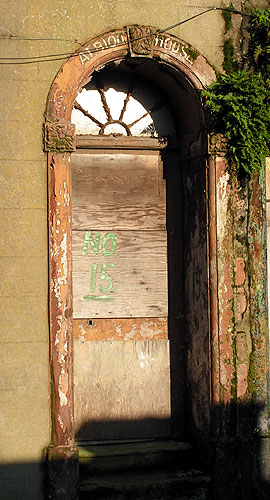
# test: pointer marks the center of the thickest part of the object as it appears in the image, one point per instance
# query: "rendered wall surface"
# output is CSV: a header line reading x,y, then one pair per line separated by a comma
x,y
62,25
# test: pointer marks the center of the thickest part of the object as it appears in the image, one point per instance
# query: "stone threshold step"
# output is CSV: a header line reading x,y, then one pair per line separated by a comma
x,y
156,485
128,455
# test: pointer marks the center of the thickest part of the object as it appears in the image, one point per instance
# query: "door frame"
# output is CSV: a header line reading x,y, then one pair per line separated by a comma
x,y
59,142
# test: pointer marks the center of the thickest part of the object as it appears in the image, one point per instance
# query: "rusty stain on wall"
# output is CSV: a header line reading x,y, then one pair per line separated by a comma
x,y
259,366
241,290
225,290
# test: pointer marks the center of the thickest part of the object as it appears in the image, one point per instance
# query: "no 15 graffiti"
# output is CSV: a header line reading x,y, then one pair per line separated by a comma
x,y
106,246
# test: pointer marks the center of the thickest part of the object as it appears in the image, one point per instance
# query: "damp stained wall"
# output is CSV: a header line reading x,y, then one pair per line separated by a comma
x,y
24,387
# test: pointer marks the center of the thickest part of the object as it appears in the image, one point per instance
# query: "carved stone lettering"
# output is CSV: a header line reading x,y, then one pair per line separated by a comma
x,y
59,137
169,44
141,39
104,42
86,55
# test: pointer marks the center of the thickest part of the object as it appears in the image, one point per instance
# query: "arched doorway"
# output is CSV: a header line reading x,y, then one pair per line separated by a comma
x,y
179,72
126,177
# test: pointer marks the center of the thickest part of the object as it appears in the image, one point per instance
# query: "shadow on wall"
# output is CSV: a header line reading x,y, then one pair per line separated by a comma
x,y
237,456
23,481
239,459
240,452
152,428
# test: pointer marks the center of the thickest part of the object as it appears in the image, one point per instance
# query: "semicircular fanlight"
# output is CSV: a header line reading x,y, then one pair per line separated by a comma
x,y
113,108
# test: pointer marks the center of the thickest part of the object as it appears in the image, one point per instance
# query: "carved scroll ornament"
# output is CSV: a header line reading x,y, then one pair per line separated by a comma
x,y
140,39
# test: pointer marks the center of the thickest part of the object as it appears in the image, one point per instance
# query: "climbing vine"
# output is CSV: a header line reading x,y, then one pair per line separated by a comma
x,y
239,101
259,43
227,17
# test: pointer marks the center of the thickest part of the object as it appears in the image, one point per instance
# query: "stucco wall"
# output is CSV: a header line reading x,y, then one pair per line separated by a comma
x,y
24,394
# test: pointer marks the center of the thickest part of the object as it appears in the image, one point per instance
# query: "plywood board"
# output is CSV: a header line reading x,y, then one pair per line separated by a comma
x,y
122,389
119,190
138,143
121,329
119,274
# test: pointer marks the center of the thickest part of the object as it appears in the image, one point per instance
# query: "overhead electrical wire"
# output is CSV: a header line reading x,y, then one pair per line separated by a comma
x,y
10,36
67,55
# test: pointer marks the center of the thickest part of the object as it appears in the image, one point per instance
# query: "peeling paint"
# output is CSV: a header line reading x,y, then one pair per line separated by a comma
x,y
240,271
240,304
63,246
145,359
63,398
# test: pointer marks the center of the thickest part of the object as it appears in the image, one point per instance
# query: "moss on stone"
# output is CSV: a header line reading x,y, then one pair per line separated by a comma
x,y
193,54
230,65
251,373
227,17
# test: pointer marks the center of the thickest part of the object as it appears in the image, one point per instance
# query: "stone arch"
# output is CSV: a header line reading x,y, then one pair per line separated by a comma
x,y
59,142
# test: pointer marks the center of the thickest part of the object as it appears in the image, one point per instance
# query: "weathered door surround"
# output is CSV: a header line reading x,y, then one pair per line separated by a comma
x,y
232,352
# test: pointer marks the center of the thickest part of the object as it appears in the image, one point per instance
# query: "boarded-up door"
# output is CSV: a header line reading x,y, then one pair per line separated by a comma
x,y
121,346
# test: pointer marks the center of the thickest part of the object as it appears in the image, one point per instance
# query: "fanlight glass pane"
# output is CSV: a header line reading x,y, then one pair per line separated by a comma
x,y
115,100
109,110
90,100
83,125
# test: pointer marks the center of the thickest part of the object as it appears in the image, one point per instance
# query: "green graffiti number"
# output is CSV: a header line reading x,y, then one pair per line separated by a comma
x,y
93,277
108,247
104,276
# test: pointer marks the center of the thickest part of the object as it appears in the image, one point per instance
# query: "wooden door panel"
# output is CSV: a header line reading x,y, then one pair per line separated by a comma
x,y
123,190
122,389
120,296
125,277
